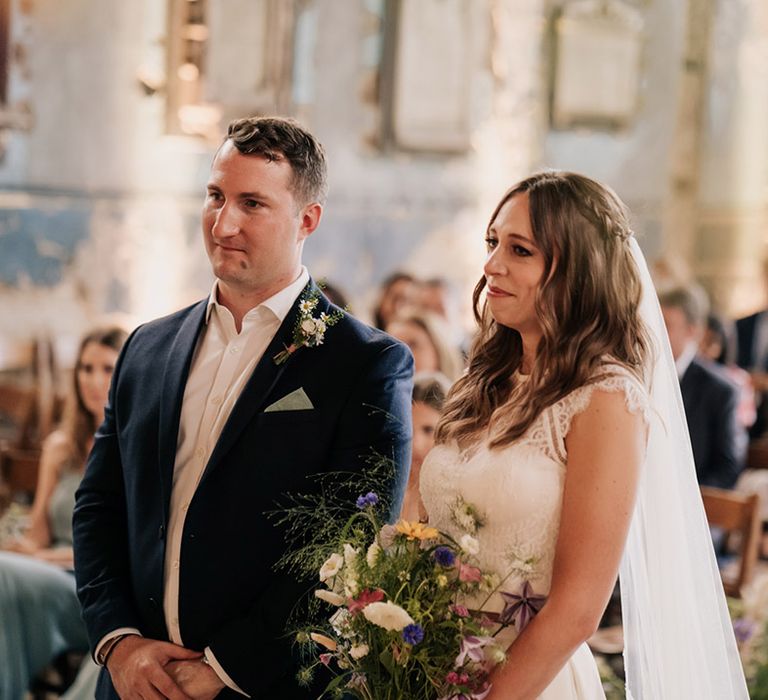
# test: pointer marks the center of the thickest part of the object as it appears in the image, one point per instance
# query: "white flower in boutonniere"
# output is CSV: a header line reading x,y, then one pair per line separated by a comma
x,y
309,330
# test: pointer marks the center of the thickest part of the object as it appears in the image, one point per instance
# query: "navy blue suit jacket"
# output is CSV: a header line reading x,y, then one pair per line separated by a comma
x,y
718,439
752,357
230,597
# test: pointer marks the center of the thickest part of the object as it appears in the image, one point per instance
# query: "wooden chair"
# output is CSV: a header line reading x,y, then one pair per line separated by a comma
x,y
17,410
18,472
736,513
757,456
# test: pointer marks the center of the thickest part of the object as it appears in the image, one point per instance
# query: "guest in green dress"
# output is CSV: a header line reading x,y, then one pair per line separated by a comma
x,y
39,610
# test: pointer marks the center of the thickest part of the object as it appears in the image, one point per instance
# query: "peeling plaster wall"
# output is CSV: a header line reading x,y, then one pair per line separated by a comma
x,y
636,162
99,208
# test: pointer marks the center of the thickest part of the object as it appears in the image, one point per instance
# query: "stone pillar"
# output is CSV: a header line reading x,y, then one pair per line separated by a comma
x,y
680,208
732,223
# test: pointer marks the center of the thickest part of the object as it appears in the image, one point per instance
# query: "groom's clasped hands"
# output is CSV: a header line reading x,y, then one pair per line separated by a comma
x,y
151,669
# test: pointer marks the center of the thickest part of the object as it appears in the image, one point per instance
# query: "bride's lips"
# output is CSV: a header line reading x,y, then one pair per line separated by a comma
x,y
496,292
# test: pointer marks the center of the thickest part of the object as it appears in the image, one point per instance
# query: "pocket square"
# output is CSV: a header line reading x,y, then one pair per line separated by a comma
x,y
295,401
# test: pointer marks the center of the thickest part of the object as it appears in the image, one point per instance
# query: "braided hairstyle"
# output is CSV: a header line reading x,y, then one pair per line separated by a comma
x,y
587,306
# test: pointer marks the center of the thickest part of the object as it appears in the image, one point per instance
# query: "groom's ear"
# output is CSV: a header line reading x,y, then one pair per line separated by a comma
x,y
310,219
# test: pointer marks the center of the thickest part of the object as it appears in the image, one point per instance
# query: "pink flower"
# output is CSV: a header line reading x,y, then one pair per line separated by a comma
x,y
457,678
461,611
470,574
326,659
364,598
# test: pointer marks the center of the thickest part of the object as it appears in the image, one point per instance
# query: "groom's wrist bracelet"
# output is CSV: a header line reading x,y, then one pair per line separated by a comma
x,y
110,645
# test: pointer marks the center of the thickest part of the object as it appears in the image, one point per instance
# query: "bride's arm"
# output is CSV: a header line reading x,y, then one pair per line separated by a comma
x,y
605,449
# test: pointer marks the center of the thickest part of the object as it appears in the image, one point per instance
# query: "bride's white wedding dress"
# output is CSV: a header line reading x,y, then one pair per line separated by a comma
x,y
517,490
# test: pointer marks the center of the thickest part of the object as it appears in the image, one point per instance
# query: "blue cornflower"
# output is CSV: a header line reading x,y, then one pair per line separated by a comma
x,y
445,557
370,499
413,634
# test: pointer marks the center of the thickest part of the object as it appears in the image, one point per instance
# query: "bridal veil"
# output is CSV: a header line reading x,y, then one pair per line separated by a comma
x,y
679,641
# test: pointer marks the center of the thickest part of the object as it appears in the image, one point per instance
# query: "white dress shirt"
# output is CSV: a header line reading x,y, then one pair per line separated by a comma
x,y
683,362
221,366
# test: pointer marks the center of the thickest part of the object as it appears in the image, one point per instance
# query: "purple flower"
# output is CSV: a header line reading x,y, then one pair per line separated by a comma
x,y
370,499
445,557
521,608
413,634
472,649
743,628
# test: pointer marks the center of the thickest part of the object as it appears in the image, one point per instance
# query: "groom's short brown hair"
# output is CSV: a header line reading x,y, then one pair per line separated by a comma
x,y
277,138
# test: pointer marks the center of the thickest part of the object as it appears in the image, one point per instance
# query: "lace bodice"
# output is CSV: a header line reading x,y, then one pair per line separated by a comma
x,y
516,491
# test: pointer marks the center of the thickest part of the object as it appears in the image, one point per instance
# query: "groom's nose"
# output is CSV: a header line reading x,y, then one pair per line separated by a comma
x,y
227,222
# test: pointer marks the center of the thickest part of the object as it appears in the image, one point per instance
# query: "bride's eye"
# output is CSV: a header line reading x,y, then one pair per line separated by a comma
x,y
522,252
491,242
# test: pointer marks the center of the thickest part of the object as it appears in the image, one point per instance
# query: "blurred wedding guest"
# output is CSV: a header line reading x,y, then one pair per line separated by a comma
x,y
717,346
711,402
397,292
429,340
335,295
437,295
39,610
752,335
429,392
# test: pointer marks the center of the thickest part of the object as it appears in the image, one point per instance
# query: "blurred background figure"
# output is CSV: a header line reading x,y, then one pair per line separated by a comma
x,y
429,392
438,296
711,401
429,340
718,346
40,616
398,291
335,295
752,334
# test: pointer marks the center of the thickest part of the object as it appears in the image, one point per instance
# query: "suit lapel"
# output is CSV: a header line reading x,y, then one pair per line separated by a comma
x,y
261,382
174,382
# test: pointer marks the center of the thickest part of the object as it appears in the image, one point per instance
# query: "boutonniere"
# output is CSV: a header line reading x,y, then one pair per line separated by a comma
x,y
309,330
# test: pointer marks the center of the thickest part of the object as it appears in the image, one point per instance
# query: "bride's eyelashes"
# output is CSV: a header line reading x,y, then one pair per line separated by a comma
x,y
516,248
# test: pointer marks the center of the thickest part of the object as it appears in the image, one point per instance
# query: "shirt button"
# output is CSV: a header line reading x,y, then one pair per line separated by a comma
x,y
216,400
176,564
200,452
185,506
234,349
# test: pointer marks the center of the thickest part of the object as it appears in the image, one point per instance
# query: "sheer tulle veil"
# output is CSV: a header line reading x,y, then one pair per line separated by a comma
x,y
679,642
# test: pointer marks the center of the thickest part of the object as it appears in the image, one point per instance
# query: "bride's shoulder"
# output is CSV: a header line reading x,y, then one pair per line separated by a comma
x,y
611,376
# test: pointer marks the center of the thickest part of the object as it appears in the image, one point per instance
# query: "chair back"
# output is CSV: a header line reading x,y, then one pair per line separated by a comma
x,y
19,471
736,513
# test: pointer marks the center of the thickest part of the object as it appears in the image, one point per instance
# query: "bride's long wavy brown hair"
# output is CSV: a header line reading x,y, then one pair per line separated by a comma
x,y
587,306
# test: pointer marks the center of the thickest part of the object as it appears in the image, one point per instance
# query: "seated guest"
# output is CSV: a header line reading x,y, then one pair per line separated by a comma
x,y
429,340
398,291
716,347
429,392
40,613
711,401
752,334
335,295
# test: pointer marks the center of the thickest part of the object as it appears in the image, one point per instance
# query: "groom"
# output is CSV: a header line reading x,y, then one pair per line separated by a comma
x,y
205,430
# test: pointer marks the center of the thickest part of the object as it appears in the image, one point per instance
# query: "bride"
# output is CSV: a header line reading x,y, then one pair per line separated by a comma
x,y
566,439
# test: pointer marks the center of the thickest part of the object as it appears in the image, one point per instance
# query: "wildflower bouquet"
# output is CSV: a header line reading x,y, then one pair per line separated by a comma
x,y
395,629
750,625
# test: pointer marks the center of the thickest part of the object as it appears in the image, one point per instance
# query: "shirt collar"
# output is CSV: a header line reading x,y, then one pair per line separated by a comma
x,y
683,362
279,304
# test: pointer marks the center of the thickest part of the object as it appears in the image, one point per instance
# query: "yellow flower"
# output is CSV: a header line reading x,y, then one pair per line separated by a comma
x,y
416,531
